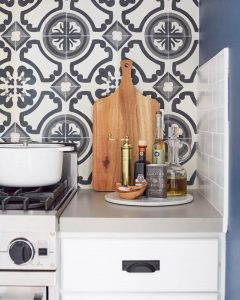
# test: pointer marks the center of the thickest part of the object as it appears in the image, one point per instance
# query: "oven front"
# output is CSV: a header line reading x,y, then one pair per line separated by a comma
x,y
23,293
28,260
30,285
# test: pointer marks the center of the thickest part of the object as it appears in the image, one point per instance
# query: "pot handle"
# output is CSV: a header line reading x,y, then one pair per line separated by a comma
x,y
66,149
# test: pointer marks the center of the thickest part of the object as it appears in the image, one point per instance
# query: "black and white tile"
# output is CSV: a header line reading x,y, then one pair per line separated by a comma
x,y
58,56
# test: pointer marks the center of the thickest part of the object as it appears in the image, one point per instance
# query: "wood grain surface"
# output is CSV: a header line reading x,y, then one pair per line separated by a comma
x,y
126,112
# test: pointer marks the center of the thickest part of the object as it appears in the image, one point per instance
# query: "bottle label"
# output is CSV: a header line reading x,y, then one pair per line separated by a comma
x,y
158,156
157,181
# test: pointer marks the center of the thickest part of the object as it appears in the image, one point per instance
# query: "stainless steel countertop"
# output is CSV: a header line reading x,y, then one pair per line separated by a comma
x,y
89,212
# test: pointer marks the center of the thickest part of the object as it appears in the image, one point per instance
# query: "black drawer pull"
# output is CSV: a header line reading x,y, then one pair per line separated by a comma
x,y
140,266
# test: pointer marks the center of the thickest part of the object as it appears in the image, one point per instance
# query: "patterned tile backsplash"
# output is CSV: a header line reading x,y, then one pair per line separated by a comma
x,y
58,56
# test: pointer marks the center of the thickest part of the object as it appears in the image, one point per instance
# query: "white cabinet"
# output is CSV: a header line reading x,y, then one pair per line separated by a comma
x,y
96,265
121,296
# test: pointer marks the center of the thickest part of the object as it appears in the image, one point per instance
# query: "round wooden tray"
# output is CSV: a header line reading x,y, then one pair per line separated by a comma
x,y
144,201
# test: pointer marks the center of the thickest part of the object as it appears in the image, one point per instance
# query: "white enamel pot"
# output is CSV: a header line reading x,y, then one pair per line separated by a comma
x,y
31,165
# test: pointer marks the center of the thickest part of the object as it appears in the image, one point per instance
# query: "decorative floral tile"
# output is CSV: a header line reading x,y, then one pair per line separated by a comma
x,y
103,13
81,104
5,14
5,53
58,57
135,14
5,121
15,36
35,54
185,69
187,8
14,133
65,86
84,148
33,15
7,89
117,35
168,86
190,167
98,75
148,70
47,107
85,173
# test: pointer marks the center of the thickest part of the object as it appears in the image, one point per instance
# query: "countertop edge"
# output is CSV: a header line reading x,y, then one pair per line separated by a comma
x,y
141,225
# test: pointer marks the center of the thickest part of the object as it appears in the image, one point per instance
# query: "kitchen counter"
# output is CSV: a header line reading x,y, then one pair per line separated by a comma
x,y
89,212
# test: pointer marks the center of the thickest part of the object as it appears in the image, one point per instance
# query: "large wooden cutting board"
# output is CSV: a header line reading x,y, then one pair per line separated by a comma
x,y
126,112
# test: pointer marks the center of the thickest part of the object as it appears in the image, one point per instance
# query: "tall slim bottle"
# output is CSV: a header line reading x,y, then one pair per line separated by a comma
x,y
158,148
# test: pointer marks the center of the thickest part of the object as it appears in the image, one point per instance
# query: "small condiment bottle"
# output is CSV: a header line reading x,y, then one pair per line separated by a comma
x,y
141,163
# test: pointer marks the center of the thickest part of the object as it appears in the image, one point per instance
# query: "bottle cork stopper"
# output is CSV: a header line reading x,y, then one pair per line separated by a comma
x,y
173,131
142,143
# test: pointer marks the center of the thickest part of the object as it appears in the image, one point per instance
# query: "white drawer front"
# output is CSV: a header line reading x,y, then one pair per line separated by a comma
x,y
121,296
96,265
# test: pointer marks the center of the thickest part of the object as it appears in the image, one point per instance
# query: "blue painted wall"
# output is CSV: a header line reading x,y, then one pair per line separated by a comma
x,y
219,28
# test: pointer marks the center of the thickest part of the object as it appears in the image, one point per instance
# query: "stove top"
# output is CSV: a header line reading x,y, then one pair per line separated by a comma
x,y
38,198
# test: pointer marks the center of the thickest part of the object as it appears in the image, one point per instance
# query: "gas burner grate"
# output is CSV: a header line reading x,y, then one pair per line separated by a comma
x,y
39,198
14,202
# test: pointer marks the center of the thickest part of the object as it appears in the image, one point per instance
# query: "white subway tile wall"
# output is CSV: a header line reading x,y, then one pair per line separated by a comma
x,y
212,125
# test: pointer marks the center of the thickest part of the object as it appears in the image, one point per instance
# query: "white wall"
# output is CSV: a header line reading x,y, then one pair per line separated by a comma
x,y
212,124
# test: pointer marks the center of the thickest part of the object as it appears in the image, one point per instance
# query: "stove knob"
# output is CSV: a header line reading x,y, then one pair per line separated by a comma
x,y
21,251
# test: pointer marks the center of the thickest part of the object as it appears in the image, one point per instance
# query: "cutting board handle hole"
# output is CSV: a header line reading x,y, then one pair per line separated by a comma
x,y
126,65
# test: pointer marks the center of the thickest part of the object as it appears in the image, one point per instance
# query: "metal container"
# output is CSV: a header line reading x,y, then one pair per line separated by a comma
x,y
157,181
126,161
29,165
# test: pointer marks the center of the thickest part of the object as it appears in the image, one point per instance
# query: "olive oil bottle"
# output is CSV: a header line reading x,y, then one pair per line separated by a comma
x,y
176,173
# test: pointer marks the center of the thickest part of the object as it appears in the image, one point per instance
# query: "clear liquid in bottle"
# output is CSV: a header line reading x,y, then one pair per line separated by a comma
x,y
176,173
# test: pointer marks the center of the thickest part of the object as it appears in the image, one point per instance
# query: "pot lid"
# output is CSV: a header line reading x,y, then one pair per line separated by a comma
x,y
31,145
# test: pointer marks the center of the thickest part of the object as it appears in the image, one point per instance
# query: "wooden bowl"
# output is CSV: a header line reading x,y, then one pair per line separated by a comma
x,y
130,192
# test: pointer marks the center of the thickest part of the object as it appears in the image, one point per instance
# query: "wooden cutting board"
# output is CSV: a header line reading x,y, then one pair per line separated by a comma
x,y
126,112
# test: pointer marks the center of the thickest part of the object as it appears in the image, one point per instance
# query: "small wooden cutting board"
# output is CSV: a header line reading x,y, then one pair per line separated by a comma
x,y
124,113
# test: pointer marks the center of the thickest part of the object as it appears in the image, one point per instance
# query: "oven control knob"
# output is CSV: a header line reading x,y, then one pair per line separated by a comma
x,y
21,251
